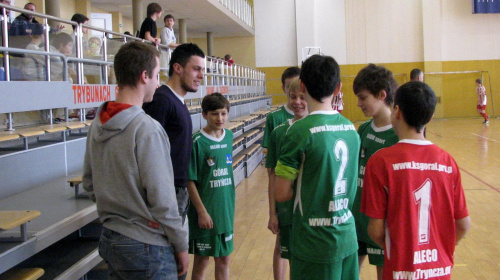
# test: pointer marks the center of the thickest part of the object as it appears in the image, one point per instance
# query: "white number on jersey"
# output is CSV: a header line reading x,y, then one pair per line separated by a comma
x,y
341,154
423,200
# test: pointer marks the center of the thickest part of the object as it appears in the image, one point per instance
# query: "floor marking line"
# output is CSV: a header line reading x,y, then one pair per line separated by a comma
x,y
486,138
480,180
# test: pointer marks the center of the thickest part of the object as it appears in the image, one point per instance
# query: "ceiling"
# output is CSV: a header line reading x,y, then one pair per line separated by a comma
x,y
201,16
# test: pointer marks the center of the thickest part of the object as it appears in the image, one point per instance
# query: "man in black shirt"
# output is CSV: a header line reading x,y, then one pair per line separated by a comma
x,y
148,27
187,67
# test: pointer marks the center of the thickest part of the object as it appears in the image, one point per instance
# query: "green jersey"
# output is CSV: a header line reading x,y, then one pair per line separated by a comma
x,y
321,152
273,120
283,209
372,139
212,172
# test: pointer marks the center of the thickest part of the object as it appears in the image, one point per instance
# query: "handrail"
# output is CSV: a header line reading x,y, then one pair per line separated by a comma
x,y
24,51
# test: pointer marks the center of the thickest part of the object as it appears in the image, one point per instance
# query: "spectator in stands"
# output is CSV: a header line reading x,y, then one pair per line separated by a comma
x,y
128,33
27,18
167,33
143,236
187,66
34,65
80,19
417,75
148,27
229,59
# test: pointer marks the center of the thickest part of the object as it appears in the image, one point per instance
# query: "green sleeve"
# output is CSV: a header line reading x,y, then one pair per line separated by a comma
x,y
272,152
286,172
267,130
193,163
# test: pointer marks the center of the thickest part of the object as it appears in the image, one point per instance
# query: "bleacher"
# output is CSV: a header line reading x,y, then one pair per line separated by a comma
x,y
48,226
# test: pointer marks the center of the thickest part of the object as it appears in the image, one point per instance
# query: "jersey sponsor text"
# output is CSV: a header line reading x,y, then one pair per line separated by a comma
x,y
422,166
220,182
220,172
375,138
326,128
339,204
422,273
322,222
425,256
218,146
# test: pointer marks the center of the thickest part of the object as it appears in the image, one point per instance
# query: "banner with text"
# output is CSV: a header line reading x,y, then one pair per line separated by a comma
x,y
486,7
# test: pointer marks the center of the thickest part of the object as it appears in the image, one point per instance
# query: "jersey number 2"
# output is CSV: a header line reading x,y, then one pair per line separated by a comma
x,y
341,154
423,200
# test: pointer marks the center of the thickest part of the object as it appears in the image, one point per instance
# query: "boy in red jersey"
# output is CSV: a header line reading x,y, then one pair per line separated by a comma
x,y
481,100
413,194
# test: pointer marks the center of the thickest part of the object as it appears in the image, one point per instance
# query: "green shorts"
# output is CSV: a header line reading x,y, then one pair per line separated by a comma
x,y
375,253
285,233
344,269
220,245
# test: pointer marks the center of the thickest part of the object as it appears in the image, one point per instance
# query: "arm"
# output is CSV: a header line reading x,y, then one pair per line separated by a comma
x,y
157,178
148,37
272,225
284,189
376,231
182,260
163,36
204,219
88,184
461,227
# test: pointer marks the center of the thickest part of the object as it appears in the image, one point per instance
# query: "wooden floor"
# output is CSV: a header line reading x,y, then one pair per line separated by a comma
x,y
475,147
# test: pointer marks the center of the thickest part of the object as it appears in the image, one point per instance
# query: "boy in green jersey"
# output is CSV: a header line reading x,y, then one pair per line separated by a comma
x,y
274,119
280,214
375,88
211,190
320,151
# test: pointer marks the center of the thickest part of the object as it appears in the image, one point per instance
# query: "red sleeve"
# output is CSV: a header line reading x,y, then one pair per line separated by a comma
x,y
460,207
374,195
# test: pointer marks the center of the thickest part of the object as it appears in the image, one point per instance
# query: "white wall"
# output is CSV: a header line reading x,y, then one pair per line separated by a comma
x,y
275,38
376,31
467,36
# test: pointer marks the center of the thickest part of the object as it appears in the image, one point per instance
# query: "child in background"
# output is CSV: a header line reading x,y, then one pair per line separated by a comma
x,y
481,100
375,87
338,102
280,213
211,190
413,194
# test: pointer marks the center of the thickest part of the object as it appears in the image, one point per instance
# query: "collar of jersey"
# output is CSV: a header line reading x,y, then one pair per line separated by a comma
x,y
213,138
334,112
416,142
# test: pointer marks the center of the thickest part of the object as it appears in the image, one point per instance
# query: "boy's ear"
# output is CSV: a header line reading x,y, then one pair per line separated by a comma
x,y
382,95
204,115
337,90
144,77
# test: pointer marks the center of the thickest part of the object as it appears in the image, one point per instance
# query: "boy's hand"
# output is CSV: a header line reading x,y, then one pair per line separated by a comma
x,y
205,221
182,260
272,225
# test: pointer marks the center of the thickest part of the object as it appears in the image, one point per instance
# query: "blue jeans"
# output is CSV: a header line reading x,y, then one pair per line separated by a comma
x,y
130,259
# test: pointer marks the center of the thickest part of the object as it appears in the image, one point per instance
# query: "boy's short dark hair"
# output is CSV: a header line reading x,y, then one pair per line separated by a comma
x,y
153,8
61,39
321,76
375,78
214,101
479,81
417,102
182,54
415,73
290,73
167,17
79,18
227,57
133,58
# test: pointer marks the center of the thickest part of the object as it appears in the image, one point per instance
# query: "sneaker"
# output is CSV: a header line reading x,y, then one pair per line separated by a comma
x,y
486,122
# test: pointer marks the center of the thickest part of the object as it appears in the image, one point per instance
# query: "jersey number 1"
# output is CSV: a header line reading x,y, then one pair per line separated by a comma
x,y
423,200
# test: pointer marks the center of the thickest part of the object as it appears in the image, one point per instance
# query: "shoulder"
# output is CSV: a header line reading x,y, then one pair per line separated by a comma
x,y
364,125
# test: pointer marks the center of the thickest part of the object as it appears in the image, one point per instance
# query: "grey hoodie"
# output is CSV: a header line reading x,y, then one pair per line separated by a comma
x,y
128,171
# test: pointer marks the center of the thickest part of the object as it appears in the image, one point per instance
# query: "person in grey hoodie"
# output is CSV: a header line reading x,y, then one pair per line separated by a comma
x,y
128,173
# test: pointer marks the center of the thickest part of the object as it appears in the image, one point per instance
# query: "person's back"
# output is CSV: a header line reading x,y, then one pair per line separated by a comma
x,y
148,27
320,152
413,194
128,172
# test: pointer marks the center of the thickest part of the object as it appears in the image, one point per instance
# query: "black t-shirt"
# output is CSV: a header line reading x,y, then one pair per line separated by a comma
x,y
148,25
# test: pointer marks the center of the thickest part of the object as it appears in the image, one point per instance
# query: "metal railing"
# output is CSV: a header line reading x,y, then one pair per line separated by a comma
x,y
241,9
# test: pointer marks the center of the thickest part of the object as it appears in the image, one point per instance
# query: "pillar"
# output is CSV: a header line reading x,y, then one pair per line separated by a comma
x,y
182,31
210,44
138,15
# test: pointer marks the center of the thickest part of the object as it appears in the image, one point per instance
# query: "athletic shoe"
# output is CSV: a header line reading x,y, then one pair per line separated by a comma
x,y
486,122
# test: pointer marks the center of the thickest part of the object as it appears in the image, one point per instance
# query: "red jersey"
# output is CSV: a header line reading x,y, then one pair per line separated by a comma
x,y
416,187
